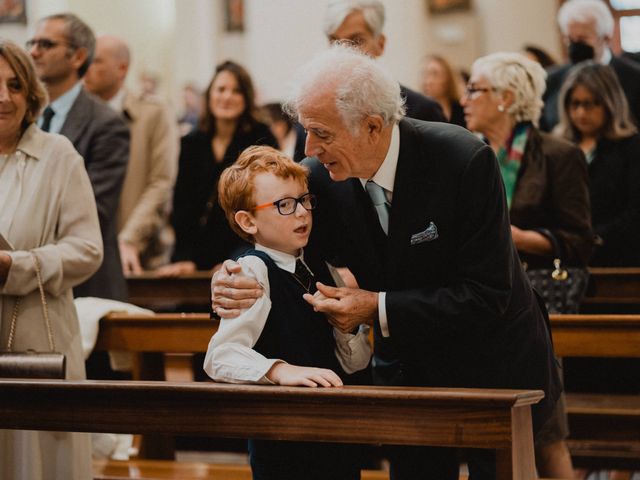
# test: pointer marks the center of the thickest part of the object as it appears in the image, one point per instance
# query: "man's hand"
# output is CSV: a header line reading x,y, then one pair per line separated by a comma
x,y
231,291
177,269
346,308
292,375
129,256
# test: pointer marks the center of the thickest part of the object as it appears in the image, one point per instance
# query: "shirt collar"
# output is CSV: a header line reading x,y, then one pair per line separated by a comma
x,y
283,260
32,142
606,56
386,174
64,102
117,101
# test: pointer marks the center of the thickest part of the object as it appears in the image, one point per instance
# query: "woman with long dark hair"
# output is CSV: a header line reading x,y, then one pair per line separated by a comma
x,y
228,126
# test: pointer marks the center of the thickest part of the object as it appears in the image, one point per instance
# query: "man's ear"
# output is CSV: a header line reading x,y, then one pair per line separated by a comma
x,y
374,125
246,222
78,57
381,40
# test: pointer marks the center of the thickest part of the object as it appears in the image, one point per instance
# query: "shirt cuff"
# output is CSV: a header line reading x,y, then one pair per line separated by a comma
x,y
382,314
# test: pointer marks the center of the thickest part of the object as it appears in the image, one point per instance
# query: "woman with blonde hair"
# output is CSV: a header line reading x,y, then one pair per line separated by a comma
x,y
546,185
49,218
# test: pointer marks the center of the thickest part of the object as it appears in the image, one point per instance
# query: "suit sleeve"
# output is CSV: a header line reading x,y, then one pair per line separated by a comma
x,y
109,156
479,290
163,149
571,208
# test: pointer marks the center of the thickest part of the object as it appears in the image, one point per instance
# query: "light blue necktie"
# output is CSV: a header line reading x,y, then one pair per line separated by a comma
x,y
379,199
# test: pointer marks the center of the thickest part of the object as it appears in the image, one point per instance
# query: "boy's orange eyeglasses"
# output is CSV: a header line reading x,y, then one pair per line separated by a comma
x,y
288,205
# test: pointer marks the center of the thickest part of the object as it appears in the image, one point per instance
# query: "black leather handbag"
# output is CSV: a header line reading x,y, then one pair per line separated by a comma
x,y
30,363
562,289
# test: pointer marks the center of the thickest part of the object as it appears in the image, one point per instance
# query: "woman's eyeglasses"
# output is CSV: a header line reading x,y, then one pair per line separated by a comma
x,y
288,205
587,105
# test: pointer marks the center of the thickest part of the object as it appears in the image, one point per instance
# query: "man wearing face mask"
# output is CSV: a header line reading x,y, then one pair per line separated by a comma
x,y
587,26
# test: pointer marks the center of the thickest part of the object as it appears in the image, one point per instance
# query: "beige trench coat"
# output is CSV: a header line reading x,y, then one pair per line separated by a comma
x,y
56,218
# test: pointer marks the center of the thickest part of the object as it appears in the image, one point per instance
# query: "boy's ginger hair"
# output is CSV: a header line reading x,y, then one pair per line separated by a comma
x,y
236,189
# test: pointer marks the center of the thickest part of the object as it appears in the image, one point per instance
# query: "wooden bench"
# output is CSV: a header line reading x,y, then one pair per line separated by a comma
x,y
467,418
613,290
166,470
605,428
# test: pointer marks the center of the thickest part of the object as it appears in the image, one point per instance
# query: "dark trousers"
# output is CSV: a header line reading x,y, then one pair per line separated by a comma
x,y
437,463
280,460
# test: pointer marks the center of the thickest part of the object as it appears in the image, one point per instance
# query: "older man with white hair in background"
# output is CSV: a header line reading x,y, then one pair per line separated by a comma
x,y
417,211
360,23
143,212
587,27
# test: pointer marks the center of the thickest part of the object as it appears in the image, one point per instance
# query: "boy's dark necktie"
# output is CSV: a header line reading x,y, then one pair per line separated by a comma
x,y
304,277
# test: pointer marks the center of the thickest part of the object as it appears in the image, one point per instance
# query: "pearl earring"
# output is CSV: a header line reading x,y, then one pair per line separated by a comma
x,y
501,108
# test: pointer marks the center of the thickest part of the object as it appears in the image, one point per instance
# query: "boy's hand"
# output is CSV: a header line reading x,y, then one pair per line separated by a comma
x,y
231,291
293,375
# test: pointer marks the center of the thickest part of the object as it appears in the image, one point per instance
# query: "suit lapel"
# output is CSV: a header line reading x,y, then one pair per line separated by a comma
x,y
77,119
414,184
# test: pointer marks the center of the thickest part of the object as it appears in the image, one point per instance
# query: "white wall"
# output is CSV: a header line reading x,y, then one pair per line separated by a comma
x,y
183,40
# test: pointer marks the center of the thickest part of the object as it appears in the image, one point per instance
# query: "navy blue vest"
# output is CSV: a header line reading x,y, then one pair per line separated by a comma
x,y
293,332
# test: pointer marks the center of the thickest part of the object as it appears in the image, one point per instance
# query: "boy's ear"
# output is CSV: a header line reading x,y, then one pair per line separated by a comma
x,y
246,222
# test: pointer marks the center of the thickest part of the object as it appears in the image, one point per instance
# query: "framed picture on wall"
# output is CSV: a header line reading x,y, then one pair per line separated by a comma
x,y
13,11
234,15
445,6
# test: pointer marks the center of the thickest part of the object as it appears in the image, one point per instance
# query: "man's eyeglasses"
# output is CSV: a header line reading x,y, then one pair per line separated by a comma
x,y
470,90
44,44
588,105
288,205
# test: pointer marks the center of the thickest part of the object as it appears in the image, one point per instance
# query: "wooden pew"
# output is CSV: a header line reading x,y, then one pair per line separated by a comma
x,y
605,429
467,418
613,290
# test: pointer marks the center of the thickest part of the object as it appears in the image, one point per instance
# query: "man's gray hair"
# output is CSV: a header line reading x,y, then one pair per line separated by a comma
x,y
360,85
586,11
523,77
338,10
79,35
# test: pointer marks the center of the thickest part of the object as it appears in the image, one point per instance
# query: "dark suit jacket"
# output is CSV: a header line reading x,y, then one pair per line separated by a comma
x,y
460,311
421,107
101,136
552,197
628,74
615,201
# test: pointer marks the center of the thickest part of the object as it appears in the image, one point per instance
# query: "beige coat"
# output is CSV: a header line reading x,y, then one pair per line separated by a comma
x,y
56,218
153,158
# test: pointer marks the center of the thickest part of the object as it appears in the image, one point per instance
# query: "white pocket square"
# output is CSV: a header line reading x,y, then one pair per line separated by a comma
x,y
427,235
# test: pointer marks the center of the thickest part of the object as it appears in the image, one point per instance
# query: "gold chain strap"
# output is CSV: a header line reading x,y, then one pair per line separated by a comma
x,y
45,309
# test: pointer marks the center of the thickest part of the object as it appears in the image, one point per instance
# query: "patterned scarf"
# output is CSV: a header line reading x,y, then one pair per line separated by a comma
x,y
510,157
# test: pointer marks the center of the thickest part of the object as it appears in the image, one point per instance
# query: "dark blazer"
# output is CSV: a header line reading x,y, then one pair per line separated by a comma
x,y
203,235
615,202
460,311
628,73
421,107
101,136
552,196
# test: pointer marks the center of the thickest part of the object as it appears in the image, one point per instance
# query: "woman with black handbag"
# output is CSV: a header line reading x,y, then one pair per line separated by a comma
x,y
52,242
546,185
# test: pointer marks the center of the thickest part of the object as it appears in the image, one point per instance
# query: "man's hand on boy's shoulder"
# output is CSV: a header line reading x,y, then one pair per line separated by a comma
x,y
346,308
232,291
282,373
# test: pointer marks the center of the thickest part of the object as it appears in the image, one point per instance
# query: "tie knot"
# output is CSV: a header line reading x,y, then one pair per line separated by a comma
x,y
376,192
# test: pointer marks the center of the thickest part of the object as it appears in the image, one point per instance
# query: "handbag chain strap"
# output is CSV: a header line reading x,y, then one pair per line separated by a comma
x,y
45,309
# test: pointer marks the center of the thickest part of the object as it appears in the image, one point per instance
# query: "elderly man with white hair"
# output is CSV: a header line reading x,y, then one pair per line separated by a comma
x,y
416,210
587,27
